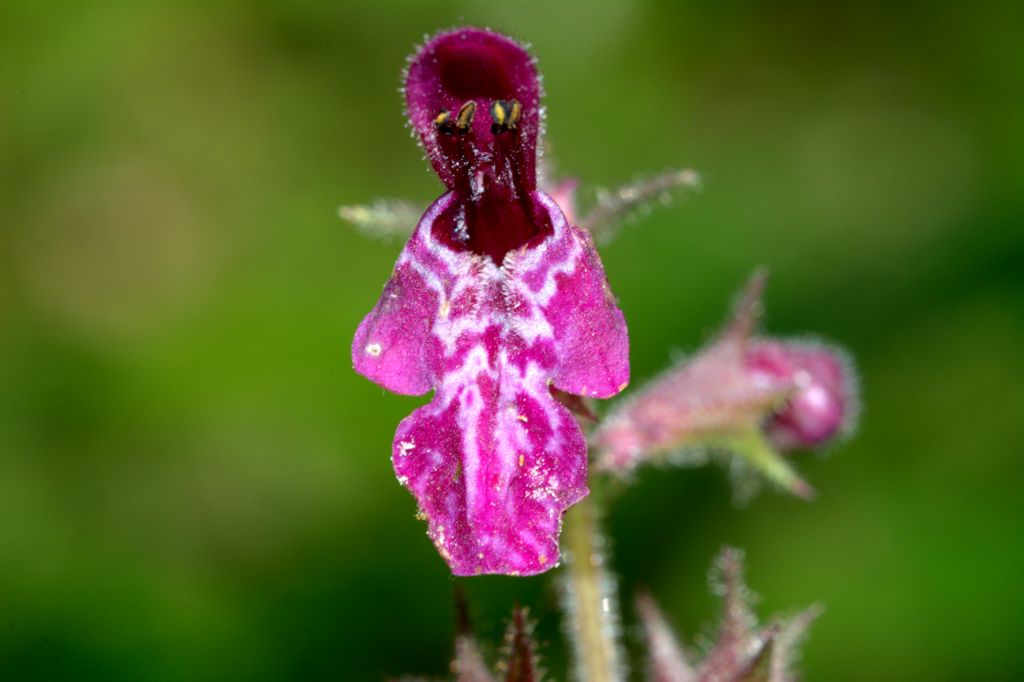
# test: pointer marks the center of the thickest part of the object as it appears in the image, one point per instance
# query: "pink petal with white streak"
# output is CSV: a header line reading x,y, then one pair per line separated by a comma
x,y
493,459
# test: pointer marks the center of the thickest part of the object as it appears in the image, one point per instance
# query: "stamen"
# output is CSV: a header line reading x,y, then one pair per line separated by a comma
x,y
513,117
505,114
443,123
464,119
462,123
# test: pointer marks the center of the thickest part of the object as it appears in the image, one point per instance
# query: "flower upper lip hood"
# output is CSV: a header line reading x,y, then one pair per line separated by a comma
x,y
473,97
474,65
495,299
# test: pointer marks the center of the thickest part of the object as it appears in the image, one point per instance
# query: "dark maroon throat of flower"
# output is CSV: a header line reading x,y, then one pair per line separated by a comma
x,y
474,99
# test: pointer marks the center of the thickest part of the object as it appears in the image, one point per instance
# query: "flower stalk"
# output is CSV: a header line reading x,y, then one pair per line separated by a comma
x,y
591,599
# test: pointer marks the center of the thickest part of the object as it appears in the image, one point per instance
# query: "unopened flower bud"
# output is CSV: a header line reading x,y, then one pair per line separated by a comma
x,y
752,397
822,404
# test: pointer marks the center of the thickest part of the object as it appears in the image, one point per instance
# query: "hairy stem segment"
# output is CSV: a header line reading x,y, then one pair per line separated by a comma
x,y
615,205
590,594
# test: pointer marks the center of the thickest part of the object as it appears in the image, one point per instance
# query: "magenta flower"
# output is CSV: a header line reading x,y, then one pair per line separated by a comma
x,y
495,299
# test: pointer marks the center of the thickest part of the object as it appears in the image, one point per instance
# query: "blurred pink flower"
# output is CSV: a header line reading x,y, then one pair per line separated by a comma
x,y
752,397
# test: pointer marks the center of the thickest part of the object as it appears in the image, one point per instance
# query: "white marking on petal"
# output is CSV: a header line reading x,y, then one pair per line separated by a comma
x,y
405,447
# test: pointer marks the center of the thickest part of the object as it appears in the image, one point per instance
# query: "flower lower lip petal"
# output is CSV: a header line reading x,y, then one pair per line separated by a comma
x,y
494,459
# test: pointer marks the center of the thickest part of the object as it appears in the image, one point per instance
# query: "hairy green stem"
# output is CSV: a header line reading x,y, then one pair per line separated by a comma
x,y
590,597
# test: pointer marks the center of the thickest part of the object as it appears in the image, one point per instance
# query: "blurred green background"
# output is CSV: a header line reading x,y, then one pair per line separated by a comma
x,y
195,485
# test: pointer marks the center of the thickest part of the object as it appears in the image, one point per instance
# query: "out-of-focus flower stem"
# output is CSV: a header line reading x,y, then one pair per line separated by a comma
x,y
590,597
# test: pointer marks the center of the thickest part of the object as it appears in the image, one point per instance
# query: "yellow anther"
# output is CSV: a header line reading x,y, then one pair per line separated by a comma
x,y
464,119
505,115
443,123
514,114
498,112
